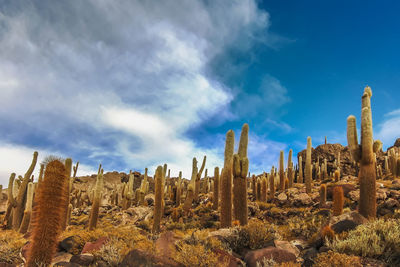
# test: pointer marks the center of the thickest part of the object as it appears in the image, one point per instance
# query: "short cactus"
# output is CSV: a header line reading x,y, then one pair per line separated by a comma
x,y
322,195
338,200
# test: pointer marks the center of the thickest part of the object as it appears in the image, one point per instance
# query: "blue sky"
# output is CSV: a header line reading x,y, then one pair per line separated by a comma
x,y
138,84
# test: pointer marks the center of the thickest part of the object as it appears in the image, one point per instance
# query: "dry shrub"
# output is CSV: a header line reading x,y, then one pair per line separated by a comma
x,y
334,259
255,234
197,255
11,243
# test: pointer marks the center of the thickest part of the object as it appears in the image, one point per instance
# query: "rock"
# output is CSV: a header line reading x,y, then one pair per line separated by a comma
x,y
347,221
140,258
298,243
224,257
381,194
149,199
355,195
65,264
279,255
71,245
286,245
89,246
302,198
165,244
4,264
282,197
82,259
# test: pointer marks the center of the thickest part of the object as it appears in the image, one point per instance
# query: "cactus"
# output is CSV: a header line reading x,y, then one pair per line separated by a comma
x,y
75,169
158,198
197,179
300,178
226,181
240,169
189,198
216,188
271,186
18,210
68,168
254,187
178,190
308,170
11,203
290,168
47,215
322,195
364,154
94,212
281,172
264,187
325,169
28,209
338,200
258,189
337,175
41,173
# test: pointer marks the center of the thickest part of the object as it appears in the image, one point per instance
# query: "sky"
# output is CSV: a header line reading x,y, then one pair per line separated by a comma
x,y
135,84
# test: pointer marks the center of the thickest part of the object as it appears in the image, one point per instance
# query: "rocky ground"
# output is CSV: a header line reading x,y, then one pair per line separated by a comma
x,y
292,229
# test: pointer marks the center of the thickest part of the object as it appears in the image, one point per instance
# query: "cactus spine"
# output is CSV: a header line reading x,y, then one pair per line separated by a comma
x,y
158,198
308,170
364,154
240,170
281,171
216,188
94,213
48,214
226,181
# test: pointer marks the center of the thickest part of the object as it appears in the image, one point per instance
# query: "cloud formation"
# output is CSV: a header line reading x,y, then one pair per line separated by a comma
x,y
117,82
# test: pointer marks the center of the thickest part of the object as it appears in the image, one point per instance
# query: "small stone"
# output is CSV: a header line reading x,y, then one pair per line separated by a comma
x,y
82,259
279,255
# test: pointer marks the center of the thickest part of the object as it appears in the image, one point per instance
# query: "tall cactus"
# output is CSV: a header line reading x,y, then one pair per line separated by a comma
x,y
28,209
226,181
290,168
178,190
18,211
48,214
94,213
308,170
364,154
158,199
11,202
272,186
300,178
264,187
216,189
68,169
281,171
240,170
198,177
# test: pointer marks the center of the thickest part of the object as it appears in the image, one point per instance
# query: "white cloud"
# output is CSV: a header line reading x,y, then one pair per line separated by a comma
x,y
389,130
120,82
17,159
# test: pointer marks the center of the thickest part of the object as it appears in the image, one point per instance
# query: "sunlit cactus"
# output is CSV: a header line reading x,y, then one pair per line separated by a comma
x,y
226,181
338,200
308,169
216,188
98,190
300,178
158,198
48,214
364,154
281,171
322,195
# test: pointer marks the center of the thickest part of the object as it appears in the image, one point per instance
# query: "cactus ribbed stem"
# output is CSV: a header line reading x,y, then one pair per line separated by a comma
x,y
216,188
308,170
94,212
226,181
158,199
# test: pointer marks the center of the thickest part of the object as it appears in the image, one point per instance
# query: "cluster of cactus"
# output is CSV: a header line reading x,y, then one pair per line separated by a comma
x,y
392,162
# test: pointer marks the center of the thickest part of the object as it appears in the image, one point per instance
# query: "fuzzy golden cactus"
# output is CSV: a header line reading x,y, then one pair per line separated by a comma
x,y
338,200
189,198
178,190
48,214
322,195
216,188
281,171
94,212
240,169
68,169
197,179
308,170
364,154
158,199
264,188
226,181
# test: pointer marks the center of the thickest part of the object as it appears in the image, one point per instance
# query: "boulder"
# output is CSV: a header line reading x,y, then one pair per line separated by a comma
x,y
302,199
347,221
71,244
279,255
140,258
93,246
82,259
286,245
